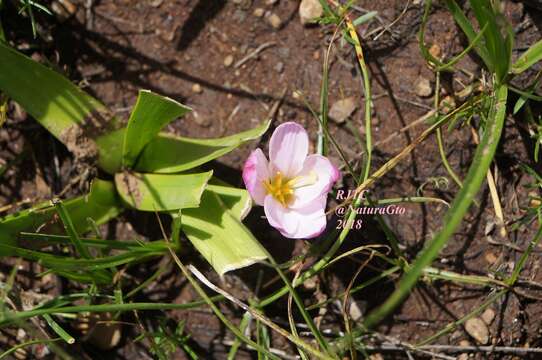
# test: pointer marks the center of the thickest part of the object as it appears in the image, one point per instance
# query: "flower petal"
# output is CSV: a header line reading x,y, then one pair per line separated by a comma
x,y
255,171
288,148
304,223
316,167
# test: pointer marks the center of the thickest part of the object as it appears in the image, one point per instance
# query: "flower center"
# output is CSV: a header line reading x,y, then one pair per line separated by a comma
x,y
282,189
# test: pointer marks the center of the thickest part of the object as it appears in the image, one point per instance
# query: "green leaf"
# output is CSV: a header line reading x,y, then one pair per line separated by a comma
x,y
469,31
169,154
219,236
150,114
364,18
483,157
159,192
238,201
530,57
498,37
101,204
62,108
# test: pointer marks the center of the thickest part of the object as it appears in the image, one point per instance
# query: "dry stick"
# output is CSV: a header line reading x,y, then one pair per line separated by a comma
x,y
395,160
254,53
494,194
457,349
404,129
278,352
389,26
406,347
256,314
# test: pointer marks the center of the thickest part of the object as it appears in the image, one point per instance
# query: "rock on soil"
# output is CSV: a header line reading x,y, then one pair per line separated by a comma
x,y
422,87
488,316
342,109
274,20
477,328
309,11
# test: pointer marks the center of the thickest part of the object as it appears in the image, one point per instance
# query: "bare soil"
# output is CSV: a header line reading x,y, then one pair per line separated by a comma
x,y
117,47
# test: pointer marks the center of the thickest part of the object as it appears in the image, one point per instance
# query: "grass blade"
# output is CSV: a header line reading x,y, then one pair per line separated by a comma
x,y
476,174
150,114
530,57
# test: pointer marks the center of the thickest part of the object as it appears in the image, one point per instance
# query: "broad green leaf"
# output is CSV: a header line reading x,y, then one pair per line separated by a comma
x,y
159,192
101,204
236,200
169,154
150,114
66,111
219,236
530,57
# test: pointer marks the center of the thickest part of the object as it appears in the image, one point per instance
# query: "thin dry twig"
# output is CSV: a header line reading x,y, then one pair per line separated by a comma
x,y
253,54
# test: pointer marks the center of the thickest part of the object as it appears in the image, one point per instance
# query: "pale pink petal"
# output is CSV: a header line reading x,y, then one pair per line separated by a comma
x,y
304,223
320,174
255,171
288,148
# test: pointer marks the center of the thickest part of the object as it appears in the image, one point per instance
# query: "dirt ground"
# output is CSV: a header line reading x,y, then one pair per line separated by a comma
x,y
180,48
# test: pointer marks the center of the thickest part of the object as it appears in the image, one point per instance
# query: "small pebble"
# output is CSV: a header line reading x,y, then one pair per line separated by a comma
x,y
477,328
279,67
490,257
271,2
258,12
435,51
447,104
274,20
342,109
196,88
63,9
422,87
296,94
355,312
488,315
309,11
201,121
228,60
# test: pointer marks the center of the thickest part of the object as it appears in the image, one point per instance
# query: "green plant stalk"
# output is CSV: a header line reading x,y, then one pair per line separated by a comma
x,y
58,329
440,142
237,343
216,310
528,58
299,302
321,147
97,243
320,264
70,229
453,325
440,66
317,267
476,174
368,99
9,317
27,343
519,266
360,287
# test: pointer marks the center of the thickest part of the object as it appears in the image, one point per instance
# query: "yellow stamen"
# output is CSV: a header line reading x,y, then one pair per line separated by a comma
x,y
282,189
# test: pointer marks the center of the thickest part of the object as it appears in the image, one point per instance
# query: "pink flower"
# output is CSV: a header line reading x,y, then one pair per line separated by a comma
x,y
293,186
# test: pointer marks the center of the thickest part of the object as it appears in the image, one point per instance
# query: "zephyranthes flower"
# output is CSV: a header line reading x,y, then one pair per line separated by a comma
x,y
292,186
